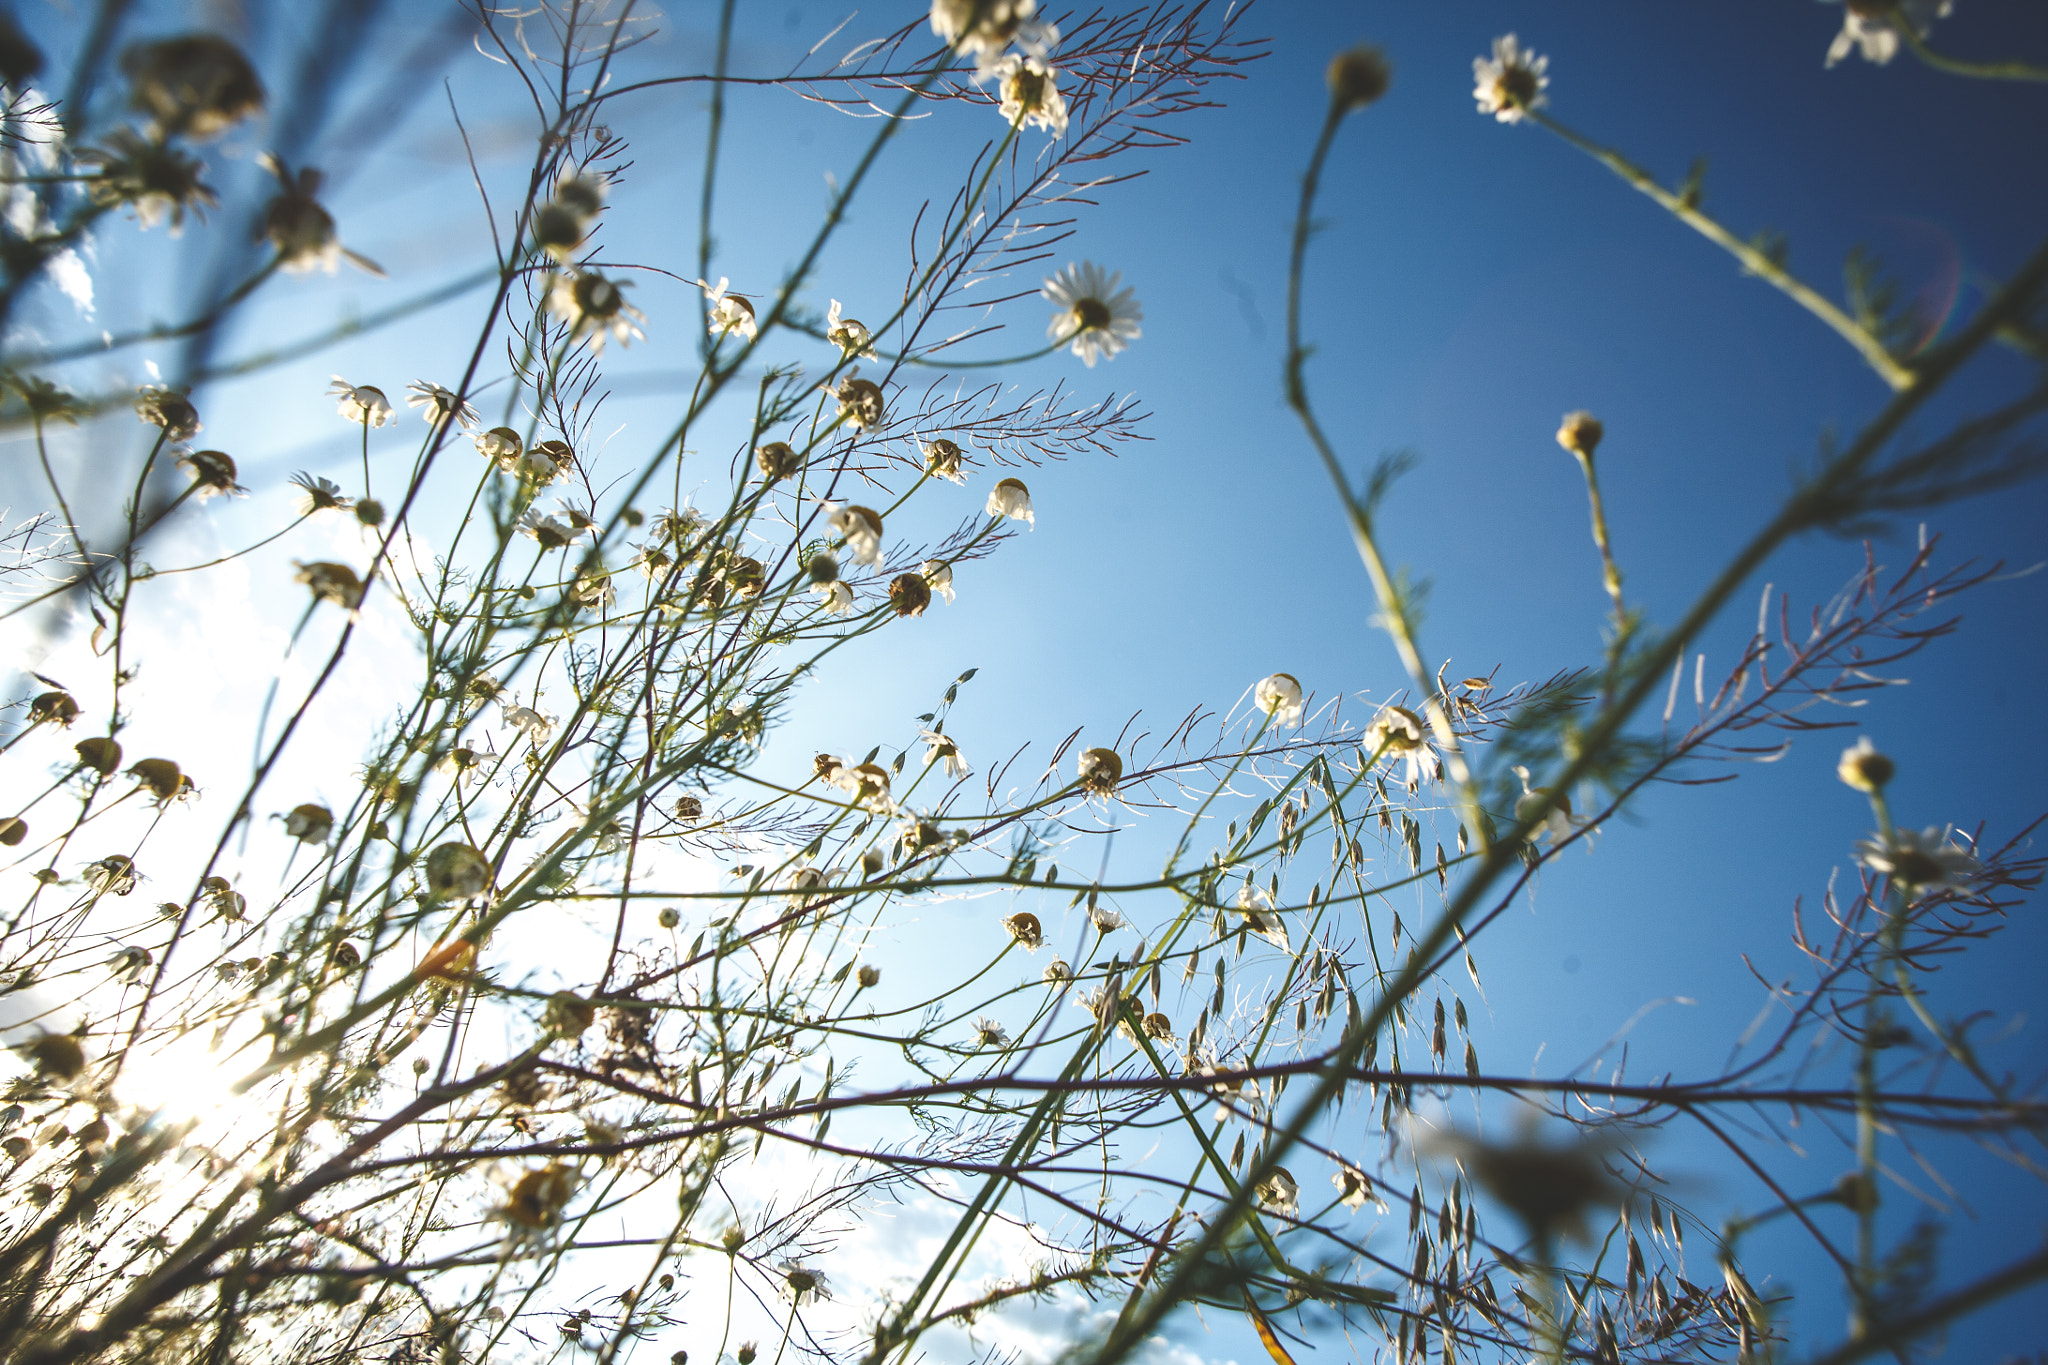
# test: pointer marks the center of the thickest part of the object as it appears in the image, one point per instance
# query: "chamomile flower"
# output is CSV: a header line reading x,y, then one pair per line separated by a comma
x,y
213,472
801,1284
862,401
551,534
1512,83
982,29
1279,696
730,313
1090,311
1871,27
363,403
317,494
1256,909
988,1033
941,748
1400,737
942,460
331,582
1010,498
531,723
862,528
595,309
939,575
850,335
838,598
1030,93
438,405
1926,861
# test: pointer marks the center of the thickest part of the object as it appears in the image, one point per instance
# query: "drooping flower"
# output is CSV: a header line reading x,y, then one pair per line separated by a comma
x,y
551,534
1354,1187
1030,93
850,335
1925,861
155,179
595,309
838,598
940,748
1399,735
438,405
990,1034
801,1284
1256,908
213,473
531,723
939,574
982,29
169,409
862,401
1863,767
457,872
1056,972
909,594
331,582
195,85
1025,929
942,460
1279,696
300,229
1010,498
1279,1193
862,528
535,1198
1512,83
1871,27
316,494
502,446
561,224
364,404
1099,770
1091,311
1580,433
730,313
1549,1187
777,460
1105,920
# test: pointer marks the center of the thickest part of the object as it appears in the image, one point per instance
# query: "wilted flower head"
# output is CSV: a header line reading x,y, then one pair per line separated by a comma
x,y
364,403
1025,929
1399,735
316,494
114,874
331,582
1056,971
850,335
777,460
561,224
438,405
942,460
730,313
1256,907
1871,27
1030,93
867,783
101,753
457,872
1358,76
546,461
867,976
1511,84
982,29
909,594
502,446
594,309
862,401
1010,498
862,528
1580,433
161,777
212,472
153,178
1279,696
56,707
1925,861
534,1199
1863,767
309,823
1099,770
169,409
1091,311
195,85
940,748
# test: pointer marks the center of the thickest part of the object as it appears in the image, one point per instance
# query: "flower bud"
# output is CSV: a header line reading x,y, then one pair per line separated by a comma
x,y
1358,76
777,460
868,976
370,512
13,829
1580,433
1864,768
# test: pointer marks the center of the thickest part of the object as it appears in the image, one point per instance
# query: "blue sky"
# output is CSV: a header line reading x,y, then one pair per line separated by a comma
x,y
1472,282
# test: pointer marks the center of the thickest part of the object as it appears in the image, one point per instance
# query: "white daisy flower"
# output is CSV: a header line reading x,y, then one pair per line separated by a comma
x,y
1926,861
989,1033
730,312
437,404
1091,311
1279,696
594,309
1259,916
1400,737
941,749
850,335
1030,93
551,534
862,528
1511,84
1558,824
1010,498
531,723
1870,27
983,29
939,574
365,404
317,494
838,597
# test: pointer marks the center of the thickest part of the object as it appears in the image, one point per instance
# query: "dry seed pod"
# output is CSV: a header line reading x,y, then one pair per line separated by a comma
x,y
55,707
160,775
13,829
101,753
